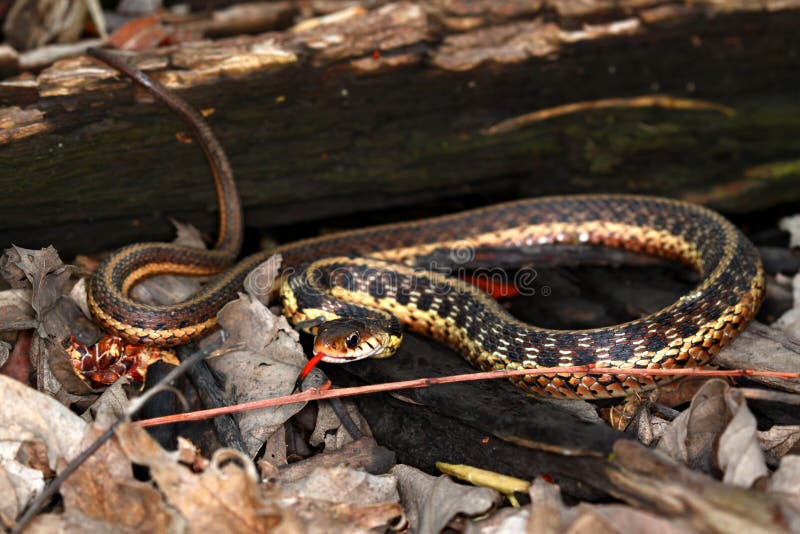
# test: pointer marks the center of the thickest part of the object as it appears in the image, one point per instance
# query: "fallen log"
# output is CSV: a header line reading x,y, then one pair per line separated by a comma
x,y
423,107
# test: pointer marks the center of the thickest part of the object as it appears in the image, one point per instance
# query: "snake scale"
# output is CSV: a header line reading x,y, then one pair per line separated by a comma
x,y
373,274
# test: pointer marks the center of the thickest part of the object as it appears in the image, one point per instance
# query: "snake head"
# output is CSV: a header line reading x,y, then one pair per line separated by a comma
x,y
347,340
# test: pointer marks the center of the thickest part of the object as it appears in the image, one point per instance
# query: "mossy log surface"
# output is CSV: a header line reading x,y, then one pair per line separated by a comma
x,y
391,107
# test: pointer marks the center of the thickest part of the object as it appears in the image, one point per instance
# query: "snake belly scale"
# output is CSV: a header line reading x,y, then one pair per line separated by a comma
x,y
380,272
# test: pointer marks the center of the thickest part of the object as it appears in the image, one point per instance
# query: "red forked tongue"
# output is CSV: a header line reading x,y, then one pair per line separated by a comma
x,y
307,368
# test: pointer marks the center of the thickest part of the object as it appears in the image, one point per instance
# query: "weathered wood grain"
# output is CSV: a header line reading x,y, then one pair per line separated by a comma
x,y
389,107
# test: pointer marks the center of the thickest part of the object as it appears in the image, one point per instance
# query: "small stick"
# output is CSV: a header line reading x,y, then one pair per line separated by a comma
x,y
314,394
770,395
646,101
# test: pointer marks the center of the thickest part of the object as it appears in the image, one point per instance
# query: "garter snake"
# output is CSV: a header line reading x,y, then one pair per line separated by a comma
x,y
371,274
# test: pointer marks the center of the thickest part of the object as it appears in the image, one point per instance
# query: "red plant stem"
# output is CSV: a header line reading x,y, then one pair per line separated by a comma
x,y
314,394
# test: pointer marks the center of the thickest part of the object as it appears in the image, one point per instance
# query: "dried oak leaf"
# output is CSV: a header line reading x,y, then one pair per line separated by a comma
x,y
779,441
29,417
275,448
112,401
5,353
717,431
260,359
549,514
547,511
328,428
31,24
345,485
16,489
787,478
789,322
648,426
49,279
791,224
739,452
17,359
42,270
504,520
249,325
332,498
256,375
105,491
56,317
16,312
78,295
57,376
323,516
71,523
431,502
692,437
226,493
621,519
364,454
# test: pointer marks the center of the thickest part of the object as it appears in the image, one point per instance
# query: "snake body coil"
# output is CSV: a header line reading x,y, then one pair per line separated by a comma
x,y
686,333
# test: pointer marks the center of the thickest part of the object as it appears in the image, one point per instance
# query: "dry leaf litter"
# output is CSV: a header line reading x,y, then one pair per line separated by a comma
x,y
711,451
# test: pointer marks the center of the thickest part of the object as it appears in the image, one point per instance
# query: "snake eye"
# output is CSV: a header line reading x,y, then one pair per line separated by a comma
x,y
352,340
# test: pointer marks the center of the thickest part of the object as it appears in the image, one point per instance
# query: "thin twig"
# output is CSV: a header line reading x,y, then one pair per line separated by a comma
x,y
770,395
313,394
645,101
